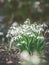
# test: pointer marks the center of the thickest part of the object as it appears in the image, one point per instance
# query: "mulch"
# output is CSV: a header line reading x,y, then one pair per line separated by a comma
x,y
8,58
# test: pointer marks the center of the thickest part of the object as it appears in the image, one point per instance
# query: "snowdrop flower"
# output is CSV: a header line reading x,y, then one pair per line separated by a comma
x,y
40,37
27,29
23,42
44,25
27,22
36,28
32,35
47,31
15,24
28,33
19,36
12,32
15,38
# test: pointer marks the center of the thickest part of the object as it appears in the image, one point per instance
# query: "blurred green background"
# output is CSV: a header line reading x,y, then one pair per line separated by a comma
x,y
20,10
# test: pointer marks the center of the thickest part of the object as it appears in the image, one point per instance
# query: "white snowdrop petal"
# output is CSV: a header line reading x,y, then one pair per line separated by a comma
x,y
40,37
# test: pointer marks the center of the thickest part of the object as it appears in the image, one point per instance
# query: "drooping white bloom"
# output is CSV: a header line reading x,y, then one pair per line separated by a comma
x,y
26,29
15,24
40,37
31,30
44,25
27,22
36,28
23,41
47,31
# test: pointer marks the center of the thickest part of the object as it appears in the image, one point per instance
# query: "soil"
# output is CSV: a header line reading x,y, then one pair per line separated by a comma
x,y
8,58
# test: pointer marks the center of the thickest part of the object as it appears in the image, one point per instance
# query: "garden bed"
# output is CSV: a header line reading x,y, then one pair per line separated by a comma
x,y
8,58
26,45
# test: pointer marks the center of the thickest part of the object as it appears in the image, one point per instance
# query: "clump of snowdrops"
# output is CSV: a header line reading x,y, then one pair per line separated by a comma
x,y
29,39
